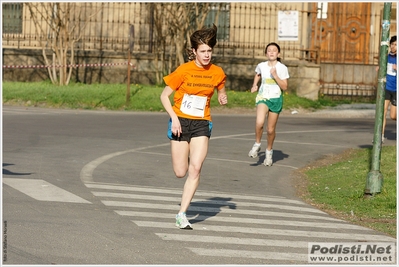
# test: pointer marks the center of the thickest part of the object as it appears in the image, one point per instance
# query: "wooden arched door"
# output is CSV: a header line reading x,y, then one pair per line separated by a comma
x,y
343,36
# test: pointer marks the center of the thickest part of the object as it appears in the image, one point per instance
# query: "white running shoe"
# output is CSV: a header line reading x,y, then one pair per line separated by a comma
x,y
182,222
253,153
269,158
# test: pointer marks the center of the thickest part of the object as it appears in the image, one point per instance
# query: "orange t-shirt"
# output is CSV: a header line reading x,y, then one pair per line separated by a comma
x,y
189,80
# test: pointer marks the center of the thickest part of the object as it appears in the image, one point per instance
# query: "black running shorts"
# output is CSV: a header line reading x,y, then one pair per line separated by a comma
x,y
391,96
190,128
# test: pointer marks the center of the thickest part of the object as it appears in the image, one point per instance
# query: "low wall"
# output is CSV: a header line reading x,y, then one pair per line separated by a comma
x,y
112,68
352,80
304,76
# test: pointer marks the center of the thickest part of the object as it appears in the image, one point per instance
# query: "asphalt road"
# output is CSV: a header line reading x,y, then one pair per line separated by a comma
x,y
97,187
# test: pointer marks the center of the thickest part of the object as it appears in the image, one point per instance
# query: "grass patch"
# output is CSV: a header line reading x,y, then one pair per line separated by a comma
x,y
113,97
336,185
82,96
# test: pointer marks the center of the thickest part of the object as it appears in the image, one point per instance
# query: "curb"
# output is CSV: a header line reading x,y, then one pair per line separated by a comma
x,y
341,111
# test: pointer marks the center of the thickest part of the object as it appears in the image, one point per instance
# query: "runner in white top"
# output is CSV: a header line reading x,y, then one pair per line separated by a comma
x,y
269,100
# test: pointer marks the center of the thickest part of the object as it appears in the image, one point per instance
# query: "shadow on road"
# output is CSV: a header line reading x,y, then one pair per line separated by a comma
x,y
278,155
7,172
213,207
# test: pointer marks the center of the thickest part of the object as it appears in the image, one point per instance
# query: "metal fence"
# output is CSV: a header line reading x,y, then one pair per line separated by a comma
x,y
244,28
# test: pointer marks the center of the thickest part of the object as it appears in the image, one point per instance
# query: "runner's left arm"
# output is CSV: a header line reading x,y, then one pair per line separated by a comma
x,y
222,96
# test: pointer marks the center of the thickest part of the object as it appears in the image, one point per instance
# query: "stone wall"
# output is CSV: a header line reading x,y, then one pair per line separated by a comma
x,y
304,76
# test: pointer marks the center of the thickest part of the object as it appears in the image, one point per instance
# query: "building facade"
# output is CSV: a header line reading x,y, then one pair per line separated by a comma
x,y
334,36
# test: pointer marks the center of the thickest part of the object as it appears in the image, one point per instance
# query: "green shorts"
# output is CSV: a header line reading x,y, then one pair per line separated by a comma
x,y
275,105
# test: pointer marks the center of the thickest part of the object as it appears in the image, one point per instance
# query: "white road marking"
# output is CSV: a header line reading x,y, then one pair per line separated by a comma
x,y
294,257
233,225
214,210
277,224
42,190
248,221
86,174
233,240
206,201
177,192
218,159
275,232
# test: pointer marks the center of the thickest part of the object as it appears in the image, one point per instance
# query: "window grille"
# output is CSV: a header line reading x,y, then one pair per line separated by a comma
x,y
222,10
12,17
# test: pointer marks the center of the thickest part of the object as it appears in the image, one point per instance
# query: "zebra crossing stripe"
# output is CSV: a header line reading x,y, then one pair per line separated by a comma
x,y
294,257
239,218
198,201
266,221
234,240
42,190
198,193
276,232
214,210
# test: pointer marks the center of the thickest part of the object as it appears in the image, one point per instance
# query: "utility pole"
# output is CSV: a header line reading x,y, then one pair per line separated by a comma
x,y
375,178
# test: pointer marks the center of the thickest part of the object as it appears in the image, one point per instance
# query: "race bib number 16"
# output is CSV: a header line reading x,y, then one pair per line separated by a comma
x,y
193,105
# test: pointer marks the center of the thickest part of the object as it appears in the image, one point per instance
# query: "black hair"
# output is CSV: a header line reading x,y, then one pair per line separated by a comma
x,y
204,36
278,49
393,39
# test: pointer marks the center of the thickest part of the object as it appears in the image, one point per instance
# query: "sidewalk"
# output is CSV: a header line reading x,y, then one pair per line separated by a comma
x,y
342,111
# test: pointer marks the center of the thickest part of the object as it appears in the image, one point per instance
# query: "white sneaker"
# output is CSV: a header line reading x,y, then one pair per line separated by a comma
x,y
182,222
269,158
253,153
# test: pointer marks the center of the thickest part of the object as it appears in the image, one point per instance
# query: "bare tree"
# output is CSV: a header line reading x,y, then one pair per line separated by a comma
x,y
157,13
174,23
59,26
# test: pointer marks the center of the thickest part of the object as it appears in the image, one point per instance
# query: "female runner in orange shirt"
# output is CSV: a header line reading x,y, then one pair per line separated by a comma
x,y
190,125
